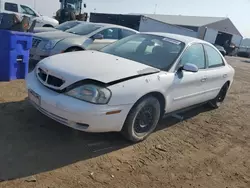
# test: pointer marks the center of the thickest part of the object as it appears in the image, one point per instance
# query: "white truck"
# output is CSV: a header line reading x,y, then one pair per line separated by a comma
x,y
6,6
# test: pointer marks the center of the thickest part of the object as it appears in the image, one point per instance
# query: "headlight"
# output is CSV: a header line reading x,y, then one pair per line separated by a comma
x,y
91,93
50,45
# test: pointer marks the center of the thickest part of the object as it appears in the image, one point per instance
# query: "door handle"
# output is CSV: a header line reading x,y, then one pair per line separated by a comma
x,y
224,75
203,79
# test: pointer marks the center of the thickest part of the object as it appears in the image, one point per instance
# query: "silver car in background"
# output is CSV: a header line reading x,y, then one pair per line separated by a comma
x,y
81,37
62,27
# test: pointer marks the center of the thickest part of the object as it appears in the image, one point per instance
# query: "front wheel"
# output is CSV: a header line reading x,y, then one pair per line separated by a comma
x,y
73,49
142,119
216,103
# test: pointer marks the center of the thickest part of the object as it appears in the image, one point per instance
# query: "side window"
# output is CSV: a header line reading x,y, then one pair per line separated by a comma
x,y
195,55
27,10
110,33
214,58
126,33
11,7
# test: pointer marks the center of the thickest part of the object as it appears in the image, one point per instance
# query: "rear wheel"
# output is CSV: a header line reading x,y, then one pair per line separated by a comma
x,y
216,103
47,25
142,119
73,49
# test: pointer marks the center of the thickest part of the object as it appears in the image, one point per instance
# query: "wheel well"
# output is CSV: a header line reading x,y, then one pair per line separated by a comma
x,y
77,47
47,25
160,98
228,83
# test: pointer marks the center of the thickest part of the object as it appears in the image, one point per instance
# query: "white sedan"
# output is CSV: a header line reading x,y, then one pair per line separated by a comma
x,y
129,85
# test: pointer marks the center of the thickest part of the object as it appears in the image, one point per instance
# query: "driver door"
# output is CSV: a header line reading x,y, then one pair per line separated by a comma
x,y
110,35
188,87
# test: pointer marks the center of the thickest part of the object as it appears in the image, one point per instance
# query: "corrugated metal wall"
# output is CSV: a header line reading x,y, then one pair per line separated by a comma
x,y
150,25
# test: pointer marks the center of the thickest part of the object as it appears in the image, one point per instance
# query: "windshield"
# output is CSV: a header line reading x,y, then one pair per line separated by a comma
x,y
84,29
67,25
156,51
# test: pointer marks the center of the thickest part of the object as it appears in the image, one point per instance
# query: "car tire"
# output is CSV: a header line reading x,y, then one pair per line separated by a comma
x,y
74,49
142,119
47,25
216,103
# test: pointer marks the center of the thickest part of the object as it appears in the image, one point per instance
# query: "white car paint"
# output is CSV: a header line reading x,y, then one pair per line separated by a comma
x,y
191,89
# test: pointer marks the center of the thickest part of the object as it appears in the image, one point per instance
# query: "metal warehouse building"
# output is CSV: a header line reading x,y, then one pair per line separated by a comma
x,y
216,30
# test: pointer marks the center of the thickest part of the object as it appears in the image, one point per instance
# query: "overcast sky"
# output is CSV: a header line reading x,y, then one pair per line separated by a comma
x,y
237,11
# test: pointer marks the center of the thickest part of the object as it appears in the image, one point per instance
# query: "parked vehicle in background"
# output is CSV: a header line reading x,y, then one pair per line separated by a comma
x,y
81,37
221,49
7,6
68,5
243,51
129,85
62,27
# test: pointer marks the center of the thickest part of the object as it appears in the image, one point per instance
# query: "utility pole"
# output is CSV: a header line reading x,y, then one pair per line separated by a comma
x,y
35,4
155,8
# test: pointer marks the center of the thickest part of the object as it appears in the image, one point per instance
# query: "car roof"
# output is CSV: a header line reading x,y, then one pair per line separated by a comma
x,y
181,38
113,25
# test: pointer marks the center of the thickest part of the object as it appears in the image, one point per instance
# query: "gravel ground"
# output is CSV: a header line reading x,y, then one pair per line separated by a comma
x,y
209,149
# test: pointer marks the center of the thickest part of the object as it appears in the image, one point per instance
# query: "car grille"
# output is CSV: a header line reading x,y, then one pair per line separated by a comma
x,y
36,42
48,79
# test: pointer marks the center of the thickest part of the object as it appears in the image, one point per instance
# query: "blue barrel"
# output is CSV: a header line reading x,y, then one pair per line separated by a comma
x,y
14,54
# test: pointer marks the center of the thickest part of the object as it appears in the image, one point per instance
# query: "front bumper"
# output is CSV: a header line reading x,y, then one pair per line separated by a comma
x,y
74,113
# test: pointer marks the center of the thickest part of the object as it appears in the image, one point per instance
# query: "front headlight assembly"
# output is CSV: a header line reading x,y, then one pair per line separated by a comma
x,y
91,93
50,45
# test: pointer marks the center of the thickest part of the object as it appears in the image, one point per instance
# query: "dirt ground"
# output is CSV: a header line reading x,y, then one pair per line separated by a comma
x,y
209,149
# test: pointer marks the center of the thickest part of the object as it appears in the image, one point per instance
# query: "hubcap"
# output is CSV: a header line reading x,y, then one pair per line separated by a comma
x,y
144,119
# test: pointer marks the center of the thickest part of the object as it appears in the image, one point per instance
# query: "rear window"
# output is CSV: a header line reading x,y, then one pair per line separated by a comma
x,y
11,7
126,33
84,29
67,25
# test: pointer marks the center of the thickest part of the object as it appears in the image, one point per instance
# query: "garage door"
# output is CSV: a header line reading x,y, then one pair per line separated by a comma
x,y
210,35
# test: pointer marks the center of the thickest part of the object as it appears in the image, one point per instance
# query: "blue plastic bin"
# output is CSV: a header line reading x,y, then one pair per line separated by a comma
x,y
14,54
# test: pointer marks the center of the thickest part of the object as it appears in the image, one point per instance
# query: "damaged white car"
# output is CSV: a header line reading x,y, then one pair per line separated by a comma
x,y
129,85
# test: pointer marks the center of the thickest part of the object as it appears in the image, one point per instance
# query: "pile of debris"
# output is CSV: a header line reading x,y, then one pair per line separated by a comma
x,y
15,23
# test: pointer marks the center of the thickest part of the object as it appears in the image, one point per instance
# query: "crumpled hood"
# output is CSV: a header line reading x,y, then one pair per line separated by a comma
x,y
77,66
43,29
54,35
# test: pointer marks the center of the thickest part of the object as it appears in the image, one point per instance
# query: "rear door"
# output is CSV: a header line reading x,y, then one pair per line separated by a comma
x,y
216,72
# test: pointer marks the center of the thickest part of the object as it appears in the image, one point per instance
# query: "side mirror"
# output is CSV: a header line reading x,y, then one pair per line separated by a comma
x,y
98,36
190,67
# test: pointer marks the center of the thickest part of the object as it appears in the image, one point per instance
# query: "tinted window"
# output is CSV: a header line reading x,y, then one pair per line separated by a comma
x,y
214,58
11,7
194,55
126,33
67,25
27,10
110,33
84,29
156,51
